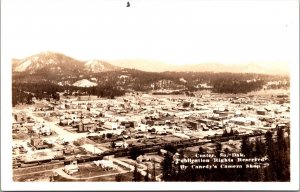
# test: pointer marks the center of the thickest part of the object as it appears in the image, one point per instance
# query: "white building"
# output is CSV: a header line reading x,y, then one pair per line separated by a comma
x,y
105,164
111,125
72,168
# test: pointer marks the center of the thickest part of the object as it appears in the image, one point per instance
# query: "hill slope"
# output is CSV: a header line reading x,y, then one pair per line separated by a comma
x,y
57,63
96,66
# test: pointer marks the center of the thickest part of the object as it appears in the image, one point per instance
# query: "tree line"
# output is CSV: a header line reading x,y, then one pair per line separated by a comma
x,y
237,86
110,85
23,93
276,149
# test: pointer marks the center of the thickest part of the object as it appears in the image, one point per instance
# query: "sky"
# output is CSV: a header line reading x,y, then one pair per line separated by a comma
x,y
175,32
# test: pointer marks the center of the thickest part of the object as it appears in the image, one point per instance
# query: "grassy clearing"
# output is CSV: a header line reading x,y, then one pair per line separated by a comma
x,y
91,170
35,177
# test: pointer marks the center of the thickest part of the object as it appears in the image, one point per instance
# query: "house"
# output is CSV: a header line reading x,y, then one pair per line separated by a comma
x,y
159,123
126,124
239,121
43,106
122,144
85,125
20,117
205,121
176,156
95,113
148,122
23,130
38,143
105,164
194,125
110,125
41,129
71,168
64,122
261,112
89,126
143,158
62,106
73,117
129,124
245,121
161,132
45,130
163,151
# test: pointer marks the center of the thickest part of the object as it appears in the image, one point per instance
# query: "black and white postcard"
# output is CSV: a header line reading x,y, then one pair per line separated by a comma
x,y
149,95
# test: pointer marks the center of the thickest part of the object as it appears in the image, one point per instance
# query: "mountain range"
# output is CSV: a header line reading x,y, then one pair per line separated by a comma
x,y
272,68
57,63
51,62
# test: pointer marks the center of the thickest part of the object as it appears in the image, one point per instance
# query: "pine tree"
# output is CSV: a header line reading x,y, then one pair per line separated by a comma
x,y
231,133
271,174
252,148
218,149
226,150
242,174
167,167
154,172
118,178
225,133
136,174
216,173
113,144
134,152
146,178
201,150
245,148
260,148
281,142
181,154
282,166
269,139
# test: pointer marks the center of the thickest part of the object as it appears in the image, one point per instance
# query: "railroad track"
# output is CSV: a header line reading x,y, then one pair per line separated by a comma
x,y
37,168
145,148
